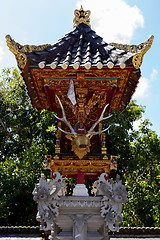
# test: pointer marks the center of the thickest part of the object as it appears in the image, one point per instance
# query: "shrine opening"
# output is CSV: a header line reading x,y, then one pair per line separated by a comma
x,y
81,78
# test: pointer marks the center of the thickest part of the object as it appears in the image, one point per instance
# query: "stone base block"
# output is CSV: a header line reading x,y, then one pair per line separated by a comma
x,y
80,190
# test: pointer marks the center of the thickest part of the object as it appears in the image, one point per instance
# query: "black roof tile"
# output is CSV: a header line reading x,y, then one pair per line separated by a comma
x,y
81,45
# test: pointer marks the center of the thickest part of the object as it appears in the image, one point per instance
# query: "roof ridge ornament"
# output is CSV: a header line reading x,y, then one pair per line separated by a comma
x,y
138,58
20,50
81,16
139,50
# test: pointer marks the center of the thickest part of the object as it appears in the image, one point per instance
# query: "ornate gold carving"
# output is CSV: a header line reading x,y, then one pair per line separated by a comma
x,y
81,16
57,147
140,50
137,60
14,48
100,127
113,163
48,160
135,48
105,157
101,79
103,144
21,60
81,152
71,166
93,84
24,49
20,50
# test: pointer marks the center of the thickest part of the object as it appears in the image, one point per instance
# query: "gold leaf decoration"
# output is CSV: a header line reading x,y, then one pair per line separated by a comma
x,y
81,16
20,51
140,50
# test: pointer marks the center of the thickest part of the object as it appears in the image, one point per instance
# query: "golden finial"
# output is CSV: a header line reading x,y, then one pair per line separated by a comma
x,y
81,16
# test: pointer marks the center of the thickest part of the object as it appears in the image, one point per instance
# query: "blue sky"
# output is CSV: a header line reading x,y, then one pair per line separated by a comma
x,y
38,22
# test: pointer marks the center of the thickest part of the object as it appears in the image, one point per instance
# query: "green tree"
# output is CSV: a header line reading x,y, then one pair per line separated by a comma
x,y
21,126
120,135
143,182
138,163
17,181
24,140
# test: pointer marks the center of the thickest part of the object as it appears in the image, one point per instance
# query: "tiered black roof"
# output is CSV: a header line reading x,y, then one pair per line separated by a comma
x,y
82,47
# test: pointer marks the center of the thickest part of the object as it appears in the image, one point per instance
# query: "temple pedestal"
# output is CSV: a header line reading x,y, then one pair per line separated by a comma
x,y
79,217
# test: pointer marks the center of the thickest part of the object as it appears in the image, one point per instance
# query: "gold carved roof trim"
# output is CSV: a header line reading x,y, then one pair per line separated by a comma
x,y
134,48
81,16
20,51
138,58
140,50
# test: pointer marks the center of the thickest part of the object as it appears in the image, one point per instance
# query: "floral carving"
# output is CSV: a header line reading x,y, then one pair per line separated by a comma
x,y
46,193
114,194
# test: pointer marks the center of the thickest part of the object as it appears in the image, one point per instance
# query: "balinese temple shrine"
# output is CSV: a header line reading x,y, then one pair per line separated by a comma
x,y
80,78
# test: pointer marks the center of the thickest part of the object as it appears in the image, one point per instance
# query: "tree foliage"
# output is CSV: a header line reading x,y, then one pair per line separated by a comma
x,y
139,164
143,182
25,138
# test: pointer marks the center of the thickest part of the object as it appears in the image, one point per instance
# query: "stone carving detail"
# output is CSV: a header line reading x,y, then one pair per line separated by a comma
x,y
47,193
71,202
80,230
114,194
104,210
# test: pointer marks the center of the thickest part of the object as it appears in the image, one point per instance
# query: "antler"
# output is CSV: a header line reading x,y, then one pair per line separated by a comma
x,y
99,120
64,119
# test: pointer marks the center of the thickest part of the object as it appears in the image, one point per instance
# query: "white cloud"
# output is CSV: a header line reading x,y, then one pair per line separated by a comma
x,y
137,123
153,74
144,85
114,20
142,88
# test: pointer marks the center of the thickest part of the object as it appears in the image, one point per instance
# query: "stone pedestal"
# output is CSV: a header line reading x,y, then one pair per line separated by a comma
x,y
79,217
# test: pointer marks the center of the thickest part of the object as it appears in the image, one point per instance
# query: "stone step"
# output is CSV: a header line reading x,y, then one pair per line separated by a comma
x,y
94,235
68,236
65,236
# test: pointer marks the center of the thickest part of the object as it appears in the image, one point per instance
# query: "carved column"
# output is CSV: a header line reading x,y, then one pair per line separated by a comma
x,y
79,226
